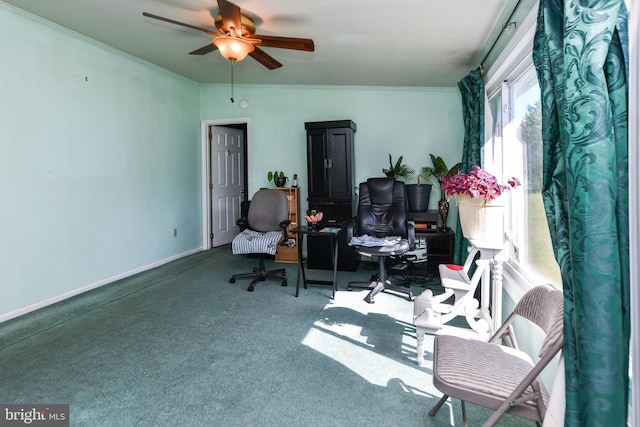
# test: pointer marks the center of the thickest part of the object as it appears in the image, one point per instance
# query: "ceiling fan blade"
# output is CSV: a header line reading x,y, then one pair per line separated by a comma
x,y
230,16
285,42
265,59
171,21
204,49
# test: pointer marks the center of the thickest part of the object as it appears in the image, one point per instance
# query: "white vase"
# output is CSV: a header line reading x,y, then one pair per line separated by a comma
x,y
481,221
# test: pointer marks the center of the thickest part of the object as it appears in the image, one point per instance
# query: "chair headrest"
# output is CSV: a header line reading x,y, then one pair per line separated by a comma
x,y
381,190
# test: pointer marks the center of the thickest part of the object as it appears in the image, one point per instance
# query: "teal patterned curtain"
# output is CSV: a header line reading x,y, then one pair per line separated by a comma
x,y
580,54
472,91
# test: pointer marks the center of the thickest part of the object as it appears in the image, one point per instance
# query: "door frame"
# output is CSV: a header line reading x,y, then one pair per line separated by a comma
x,y
206,169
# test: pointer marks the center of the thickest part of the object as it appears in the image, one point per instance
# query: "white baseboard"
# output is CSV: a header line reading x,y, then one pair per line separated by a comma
x,y
55,299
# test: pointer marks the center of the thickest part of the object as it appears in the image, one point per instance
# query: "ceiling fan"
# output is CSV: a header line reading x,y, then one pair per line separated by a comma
x,y
236,37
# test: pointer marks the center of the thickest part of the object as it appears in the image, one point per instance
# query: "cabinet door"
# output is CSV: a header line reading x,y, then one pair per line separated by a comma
x,y
340,164
316,163
439,249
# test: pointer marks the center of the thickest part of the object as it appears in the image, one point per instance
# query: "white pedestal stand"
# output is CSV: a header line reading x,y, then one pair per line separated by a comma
x,y
430,313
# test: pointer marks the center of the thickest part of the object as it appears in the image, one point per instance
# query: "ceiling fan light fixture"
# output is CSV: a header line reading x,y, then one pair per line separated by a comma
x,y
233,48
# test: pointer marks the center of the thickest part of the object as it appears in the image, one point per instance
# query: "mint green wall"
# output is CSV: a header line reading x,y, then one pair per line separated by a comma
x,y
99,162
412,122
100,153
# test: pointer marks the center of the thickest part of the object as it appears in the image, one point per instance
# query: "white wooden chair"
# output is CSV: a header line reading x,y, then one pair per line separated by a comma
x,y
432,312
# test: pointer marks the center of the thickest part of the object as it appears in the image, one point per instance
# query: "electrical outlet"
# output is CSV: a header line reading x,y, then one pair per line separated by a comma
x,y
175,232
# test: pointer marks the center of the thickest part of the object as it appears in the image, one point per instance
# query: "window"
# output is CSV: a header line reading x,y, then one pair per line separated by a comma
x,y
511,84
532,248
513,147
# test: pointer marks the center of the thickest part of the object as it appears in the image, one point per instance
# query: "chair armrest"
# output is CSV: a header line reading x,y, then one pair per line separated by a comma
x,y
243,223
284,224
285,234
411,234
349,228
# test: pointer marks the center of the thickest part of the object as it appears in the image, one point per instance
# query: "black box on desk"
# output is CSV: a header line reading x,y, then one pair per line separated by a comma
x,y
424,222
319,254
318,247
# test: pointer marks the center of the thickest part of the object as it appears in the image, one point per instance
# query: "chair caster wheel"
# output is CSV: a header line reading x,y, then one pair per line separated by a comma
x,y
250,288
349,288
369,299
284,283
232,280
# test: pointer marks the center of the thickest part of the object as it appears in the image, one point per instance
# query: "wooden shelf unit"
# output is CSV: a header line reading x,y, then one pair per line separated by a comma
x,y
286,253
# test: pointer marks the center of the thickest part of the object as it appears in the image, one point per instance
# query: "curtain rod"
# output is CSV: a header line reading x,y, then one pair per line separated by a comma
x,y
505,27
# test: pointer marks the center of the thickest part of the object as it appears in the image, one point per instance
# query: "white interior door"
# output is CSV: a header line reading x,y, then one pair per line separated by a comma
x,y
227,186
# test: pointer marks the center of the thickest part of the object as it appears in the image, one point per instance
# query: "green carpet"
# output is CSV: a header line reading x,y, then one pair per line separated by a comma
x,y
181,346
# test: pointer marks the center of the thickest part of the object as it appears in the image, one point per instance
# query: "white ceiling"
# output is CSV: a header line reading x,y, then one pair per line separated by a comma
x,y
357,42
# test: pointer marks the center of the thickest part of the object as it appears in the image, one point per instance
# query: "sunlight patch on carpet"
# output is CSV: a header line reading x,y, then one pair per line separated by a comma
x,y
376,341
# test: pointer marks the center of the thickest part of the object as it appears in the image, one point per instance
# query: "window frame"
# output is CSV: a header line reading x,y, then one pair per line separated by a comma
x,y
514,60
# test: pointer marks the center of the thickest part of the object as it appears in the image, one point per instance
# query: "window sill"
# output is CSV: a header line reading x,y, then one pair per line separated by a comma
x,y
515,282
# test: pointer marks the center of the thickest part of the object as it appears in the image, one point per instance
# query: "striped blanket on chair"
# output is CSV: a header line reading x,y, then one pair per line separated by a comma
x,y
252,242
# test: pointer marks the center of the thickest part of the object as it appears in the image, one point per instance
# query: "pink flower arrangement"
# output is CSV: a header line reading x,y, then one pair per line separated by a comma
x,y
477,183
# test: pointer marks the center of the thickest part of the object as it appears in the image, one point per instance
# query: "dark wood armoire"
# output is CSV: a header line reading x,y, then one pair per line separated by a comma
x,y
330,176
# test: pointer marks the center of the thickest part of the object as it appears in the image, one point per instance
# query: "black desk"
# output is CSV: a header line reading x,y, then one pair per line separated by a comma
x,y
329,232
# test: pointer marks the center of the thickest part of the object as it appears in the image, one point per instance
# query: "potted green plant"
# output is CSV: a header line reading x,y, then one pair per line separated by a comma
x,y
278,178
399,169
438,171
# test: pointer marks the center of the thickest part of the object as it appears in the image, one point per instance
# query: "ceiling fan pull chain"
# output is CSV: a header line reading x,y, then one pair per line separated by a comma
x,y
232,101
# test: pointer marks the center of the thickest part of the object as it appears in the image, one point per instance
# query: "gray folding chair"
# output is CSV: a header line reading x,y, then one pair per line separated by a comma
x,y
497,376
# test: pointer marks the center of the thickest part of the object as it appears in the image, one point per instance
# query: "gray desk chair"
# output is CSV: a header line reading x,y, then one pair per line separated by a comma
x,y
264,228
501,377
382,213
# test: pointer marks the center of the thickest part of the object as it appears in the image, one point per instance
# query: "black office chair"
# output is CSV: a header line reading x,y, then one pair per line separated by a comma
x,y
382,213
264,228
